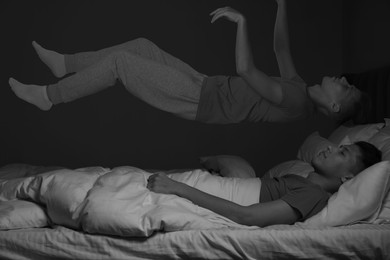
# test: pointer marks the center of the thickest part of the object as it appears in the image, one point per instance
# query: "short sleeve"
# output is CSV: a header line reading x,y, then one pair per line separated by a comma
x,y
308,200
295,104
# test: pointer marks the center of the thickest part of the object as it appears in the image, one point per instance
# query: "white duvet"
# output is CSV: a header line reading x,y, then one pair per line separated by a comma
x,y
117,202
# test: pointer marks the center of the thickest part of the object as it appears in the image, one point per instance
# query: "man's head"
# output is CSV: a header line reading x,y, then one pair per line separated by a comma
x,y
346,161
343,100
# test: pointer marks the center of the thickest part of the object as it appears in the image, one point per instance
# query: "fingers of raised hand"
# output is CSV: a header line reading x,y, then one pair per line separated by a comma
x,y
219,10
224,11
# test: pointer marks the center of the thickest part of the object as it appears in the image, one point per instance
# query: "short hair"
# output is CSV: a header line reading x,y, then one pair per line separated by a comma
x,y
358,111
370,154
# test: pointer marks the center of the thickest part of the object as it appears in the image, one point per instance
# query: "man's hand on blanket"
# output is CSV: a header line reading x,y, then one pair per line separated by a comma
x,y
161,183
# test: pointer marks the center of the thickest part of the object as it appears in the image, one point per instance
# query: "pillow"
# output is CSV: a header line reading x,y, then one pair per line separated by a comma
x,y
359,199
296,167
384,213
355,133
228,166
15,214
312,145
382,141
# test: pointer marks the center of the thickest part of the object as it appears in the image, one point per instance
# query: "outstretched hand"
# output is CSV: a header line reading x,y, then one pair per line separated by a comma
x,y
161,183
227,12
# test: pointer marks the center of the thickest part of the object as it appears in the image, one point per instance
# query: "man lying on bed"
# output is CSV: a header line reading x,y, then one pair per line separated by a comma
x,y
287,199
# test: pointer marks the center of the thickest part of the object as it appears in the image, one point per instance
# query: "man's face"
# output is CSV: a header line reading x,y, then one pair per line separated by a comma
x,y
339,90
338,161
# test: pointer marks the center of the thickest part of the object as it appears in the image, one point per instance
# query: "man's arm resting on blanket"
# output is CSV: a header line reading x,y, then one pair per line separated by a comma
x,y
260,214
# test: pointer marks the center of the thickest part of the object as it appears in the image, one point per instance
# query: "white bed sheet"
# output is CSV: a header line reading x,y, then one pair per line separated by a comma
x,y
359,241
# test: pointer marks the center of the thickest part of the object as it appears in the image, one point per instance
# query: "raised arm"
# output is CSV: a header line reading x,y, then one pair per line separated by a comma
x,y
282,43
260,214
267,87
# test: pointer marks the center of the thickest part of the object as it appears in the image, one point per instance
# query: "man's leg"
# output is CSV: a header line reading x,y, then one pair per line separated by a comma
x,y
62,64
159,85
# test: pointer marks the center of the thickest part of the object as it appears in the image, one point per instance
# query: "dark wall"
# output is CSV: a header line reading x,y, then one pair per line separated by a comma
x,y
113,128
366,35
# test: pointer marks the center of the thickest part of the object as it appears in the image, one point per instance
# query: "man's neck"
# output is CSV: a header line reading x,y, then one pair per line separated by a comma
x,y
331,185
318,99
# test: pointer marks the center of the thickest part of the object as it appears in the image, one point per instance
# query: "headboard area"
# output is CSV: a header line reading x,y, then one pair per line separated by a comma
x,y
376,83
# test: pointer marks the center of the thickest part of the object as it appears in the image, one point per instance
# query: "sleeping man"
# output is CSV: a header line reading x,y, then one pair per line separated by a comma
x,y
128,201
286,199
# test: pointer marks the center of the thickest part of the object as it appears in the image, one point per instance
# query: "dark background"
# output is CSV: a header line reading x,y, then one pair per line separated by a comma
x,y
112,128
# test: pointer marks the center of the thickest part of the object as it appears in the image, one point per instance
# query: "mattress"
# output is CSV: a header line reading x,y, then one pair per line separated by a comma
x,y
358,241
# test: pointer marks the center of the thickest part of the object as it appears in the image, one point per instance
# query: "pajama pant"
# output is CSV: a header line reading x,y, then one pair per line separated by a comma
x,y
145,70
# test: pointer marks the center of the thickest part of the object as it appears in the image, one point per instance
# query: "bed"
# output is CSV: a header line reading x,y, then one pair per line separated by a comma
x,y
354,225
361,241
